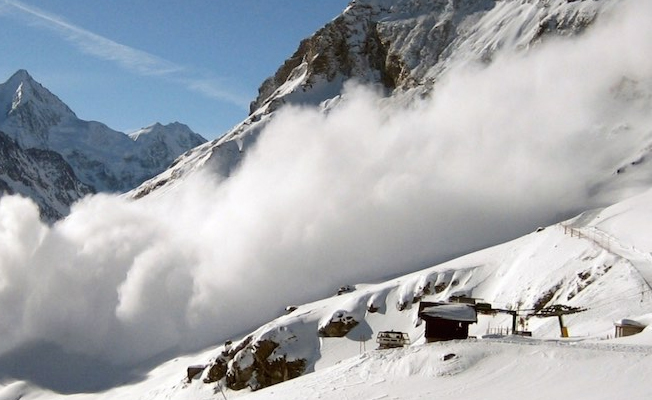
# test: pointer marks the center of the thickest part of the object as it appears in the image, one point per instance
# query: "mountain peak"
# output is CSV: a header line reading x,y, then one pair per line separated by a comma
x,y
22,79
21,87
166,142
28,109
18,84
157,128
21,75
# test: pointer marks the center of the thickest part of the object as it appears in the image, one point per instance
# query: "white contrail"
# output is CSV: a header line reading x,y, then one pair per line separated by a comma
x,y
131,59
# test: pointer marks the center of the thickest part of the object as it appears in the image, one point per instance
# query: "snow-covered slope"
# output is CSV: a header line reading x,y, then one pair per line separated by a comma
x,y
486,370
160,144
599,260
101,157
483,370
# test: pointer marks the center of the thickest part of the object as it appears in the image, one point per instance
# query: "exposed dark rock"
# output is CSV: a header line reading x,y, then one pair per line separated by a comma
x,y
338,326
217,370
345,289
255,364
440,287
42,175
546,297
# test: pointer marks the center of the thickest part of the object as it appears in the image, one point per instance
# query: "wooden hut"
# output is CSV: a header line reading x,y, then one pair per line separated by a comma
x,y
628,327
447,321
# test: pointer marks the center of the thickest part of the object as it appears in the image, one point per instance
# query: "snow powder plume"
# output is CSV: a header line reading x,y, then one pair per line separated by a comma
x,y
370,189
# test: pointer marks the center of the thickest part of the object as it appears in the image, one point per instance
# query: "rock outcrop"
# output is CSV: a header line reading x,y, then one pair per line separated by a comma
x,y
257,361
42,175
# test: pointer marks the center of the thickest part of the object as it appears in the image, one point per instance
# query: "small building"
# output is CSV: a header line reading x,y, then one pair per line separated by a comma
x,y
392,339
628,327
447,321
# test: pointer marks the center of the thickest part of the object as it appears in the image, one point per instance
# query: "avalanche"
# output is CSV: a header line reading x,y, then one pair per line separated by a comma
x,y
513,128
595,272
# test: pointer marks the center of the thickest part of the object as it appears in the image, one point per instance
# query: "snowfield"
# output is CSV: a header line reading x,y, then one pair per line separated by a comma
x,y
480,369
485,369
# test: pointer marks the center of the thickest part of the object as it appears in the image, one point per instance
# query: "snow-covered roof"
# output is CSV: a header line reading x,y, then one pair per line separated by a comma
x,y
630,322
452,312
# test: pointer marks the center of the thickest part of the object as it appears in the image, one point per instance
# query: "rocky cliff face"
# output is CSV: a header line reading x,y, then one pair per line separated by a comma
x,y
42,175
402,46
408,43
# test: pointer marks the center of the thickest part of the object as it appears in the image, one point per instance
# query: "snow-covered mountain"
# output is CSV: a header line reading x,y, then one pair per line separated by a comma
x,y
29,110
401,46
484,119
101,157
160,144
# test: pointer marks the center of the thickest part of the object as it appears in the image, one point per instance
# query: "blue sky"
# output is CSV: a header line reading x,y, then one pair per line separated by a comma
x,y
130,63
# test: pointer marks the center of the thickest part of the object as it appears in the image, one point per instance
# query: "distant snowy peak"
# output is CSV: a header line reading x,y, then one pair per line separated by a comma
x,y
102,158
176,137
30,109
21,89
159,145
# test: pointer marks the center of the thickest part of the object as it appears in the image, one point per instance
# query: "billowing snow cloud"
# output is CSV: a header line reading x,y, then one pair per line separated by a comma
x,y
369,190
